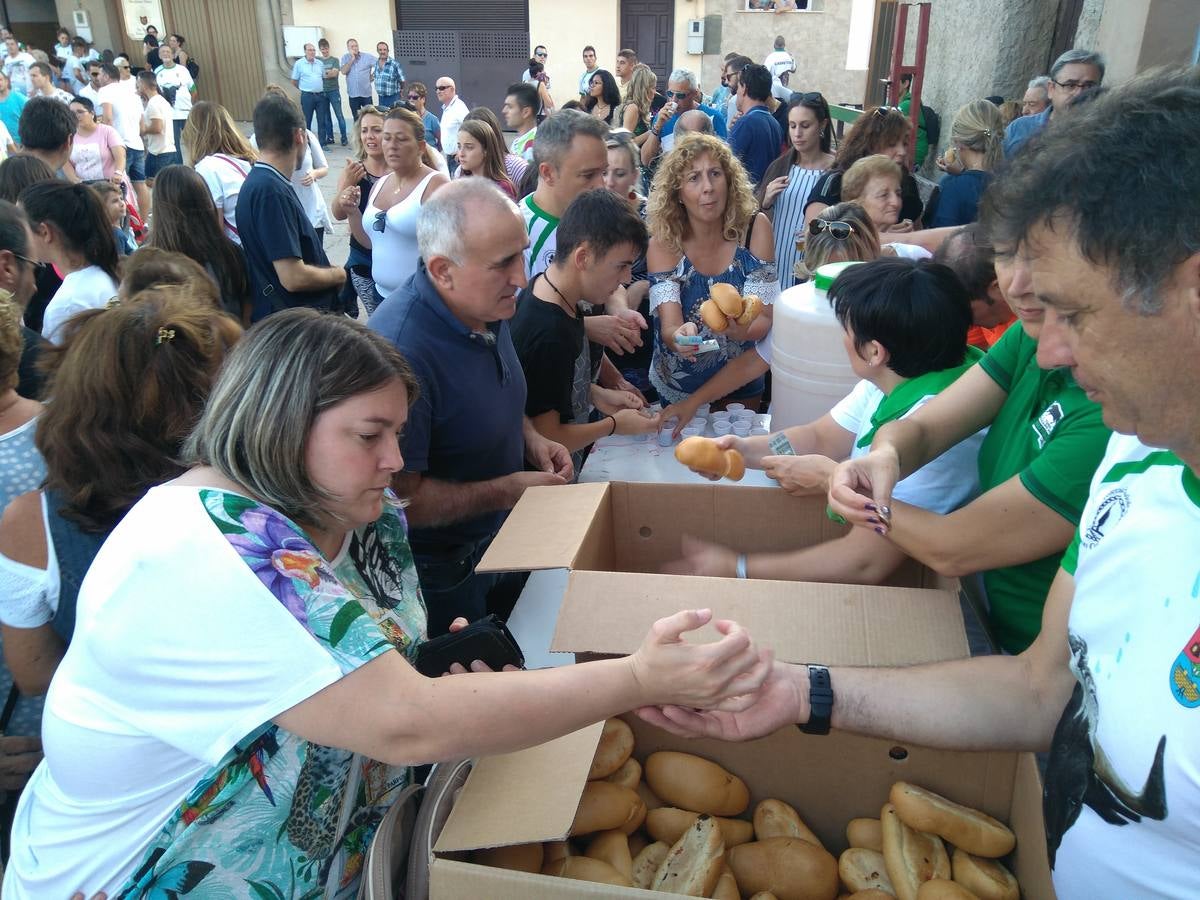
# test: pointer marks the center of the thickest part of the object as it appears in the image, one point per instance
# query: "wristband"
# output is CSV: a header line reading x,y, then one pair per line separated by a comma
x,y
739,567
820,701
614,426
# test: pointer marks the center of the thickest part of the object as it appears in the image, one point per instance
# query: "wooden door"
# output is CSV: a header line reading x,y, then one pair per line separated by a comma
x,y
1066,23
879,68
647,28
222,36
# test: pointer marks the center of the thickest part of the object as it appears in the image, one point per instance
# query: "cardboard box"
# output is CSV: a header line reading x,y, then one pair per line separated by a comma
x,y
612,537
615,537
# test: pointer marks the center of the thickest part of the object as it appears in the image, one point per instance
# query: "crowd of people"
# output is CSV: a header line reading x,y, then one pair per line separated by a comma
x,y
226,501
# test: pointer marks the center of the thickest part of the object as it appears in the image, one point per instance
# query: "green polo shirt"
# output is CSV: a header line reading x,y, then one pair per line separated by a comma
x,y
1050,435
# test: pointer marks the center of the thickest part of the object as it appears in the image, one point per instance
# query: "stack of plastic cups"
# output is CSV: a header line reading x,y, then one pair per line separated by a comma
x,y
722,427
732,408
741,428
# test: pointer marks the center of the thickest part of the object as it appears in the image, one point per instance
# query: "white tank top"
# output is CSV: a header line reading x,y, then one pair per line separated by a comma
x,y
394,253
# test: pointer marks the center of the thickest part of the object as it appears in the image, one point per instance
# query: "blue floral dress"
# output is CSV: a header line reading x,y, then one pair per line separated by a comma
x,y
675,377
280,817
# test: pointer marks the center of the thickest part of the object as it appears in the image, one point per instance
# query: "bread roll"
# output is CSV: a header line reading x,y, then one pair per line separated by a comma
x,y
628,775
646,863
637,818
726,297
605,806
584,868
694,783
612,847
694,862
615,746
750,311
862,870
774,818
726,888
789,868
864,833
977,833
518,857
667,824
647,795
987,879
912,857
941,889
704,455
711,315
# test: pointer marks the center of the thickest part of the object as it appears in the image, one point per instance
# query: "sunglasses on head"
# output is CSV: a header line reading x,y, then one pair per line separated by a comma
x,y
837,230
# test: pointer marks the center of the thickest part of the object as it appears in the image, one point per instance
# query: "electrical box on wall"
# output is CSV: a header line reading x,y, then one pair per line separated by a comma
x,y
296,36
695,36
83,24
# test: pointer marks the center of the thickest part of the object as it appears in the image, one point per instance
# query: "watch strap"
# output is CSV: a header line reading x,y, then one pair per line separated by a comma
x,y
820,701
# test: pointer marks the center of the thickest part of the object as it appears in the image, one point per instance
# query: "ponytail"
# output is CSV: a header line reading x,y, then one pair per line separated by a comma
x,y
77,214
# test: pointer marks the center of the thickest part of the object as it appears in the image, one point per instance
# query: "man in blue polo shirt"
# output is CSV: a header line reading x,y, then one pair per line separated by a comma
x,y
467,440
1072,74
756,138
284,258
308,74
683,95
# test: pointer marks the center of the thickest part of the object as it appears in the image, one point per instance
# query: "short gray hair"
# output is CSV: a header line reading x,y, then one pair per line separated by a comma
x,y
1082,57
685,75
286,371
442,224
559,129
1041,83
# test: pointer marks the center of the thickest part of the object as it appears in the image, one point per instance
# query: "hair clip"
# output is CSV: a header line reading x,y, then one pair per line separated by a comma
x,y
164,335
112,301
987,132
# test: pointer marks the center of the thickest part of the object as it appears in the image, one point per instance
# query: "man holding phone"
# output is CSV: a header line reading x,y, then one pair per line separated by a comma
x,y
683,95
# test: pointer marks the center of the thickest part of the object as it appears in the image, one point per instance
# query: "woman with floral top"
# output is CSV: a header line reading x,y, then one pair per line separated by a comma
x,y
705,229
237,710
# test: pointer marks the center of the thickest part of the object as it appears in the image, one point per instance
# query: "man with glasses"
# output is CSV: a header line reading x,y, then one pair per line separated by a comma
x,y
91,90
389,78
359,69
1037,96
433,128
18,277
729,77
541,54
1073,72
453,113
683,95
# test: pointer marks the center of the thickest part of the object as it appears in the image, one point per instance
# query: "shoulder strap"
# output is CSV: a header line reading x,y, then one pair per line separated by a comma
x,y
228,160
750,228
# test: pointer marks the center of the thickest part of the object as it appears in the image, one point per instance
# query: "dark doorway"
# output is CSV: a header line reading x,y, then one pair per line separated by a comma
x,y
1066,23
483,45
647,28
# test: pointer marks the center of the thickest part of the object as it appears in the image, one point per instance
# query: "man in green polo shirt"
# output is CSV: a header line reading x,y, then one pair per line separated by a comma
x,y
1044,442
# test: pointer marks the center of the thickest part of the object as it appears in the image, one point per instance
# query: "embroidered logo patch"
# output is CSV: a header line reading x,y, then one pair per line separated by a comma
x,y
1111,510
1185,673
1044,425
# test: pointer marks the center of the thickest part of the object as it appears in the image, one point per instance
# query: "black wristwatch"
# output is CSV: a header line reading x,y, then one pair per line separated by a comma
x,y
820,701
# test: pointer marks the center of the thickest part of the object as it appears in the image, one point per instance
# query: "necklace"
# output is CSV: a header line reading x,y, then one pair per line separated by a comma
x,y
567,303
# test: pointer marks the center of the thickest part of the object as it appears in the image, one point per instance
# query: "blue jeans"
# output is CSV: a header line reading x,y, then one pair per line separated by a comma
x,y
451,586
387,101
333,101
311,103
357,103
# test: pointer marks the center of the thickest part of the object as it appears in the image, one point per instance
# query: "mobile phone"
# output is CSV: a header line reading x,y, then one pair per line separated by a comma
x,y
486,639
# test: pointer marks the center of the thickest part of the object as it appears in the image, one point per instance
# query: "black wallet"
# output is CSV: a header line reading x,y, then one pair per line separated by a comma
x,y
486,639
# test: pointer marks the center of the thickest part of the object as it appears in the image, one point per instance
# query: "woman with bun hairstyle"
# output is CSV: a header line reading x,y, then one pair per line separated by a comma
x,y
783,192
71,232
878,130
126,386
977,138
842,233
480,153
706,229
221,156
242,707
905,325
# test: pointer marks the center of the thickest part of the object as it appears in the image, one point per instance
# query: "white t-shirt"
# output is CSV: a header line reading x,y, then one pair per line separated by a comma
x,y
91,93
1134,651
224,176
164,142
542,229
126,113
29,595
451,121
136,716
89,288
941,485
778,62
17,70
179,78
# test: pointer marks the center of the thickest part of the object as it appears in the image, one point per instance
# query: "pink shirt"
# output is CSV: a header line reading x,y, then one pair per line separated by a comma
x,y
91,155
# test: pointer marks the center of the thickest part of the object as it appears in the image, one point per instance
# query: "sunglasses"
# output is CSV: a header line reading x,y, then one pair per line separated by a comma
x,y
414,97
442,87
540,55
38,266
677,95
381,222
837,230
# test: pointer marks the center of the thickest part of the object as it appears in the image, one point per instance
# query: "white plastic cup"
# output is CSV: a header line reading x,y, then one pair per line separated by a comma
x,y
665,436
699,424
741,429
720,415
691,432
743,415
732,408
722,427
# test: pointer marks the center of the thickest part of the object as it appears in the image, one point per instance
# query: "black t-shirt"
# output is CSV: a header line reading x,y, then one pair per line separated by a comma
x,y
550,344
829,191
30,379
153,60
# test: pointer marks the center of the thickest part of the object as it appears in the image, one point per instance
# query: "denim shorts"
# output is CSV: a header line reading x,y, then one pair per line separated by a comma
x,y
155,162
135,164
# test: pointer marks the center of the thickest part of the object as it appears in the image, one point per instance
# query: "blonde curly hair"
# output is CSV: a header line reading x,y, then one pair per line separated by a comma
x,y
668,218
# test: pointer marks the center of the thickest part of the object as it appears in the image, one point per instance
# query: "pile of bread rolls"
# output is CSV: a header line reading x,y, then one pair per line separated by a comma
x,y
673,827
725,303
703,455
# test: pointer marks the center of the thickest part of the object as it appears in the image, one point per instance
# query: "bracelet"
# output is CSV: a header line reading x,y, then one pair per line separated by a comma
x,y
614,426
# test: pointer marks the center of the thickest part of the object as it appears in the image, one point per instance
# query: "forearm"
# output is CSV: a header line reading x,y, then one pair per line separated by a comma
x,y
433,502
32,655
307,277
651,144
858,557
617,302
319,173
576,437
909,441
